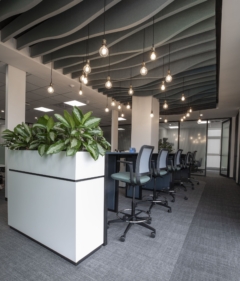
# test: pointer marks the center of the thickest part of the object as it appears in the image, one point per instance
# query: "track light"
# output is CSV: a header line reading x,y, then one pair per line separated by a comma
x,y
108,84
143,70
87,68
130,91
163,87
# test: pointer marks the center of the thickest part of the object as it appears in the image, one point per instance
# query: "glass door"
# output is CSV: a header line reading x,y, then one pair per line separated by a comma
x,y
225,148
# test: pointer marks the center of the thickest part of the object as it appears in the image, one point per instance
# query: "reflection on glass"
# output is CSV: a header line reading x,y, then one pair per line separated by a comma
x,y
193,138
225,147
168,136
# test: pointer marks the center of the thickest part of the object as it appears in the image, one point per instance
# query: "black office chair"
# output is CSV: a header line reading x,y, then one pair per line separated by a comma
x,y
160,170
141,176
186,170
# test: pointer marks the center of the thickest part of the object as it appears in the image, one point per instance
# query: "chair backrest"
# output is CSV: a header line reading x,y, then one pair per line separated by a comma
x,y
177,158
194,155
143,163
162,159
188,158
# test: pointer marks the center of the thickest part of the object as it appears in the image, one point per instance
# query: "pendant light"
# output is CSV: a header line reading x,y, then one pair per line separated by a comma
x,y
83,78
80,89
113,103
119,106
151,114
87,68
190,110
163,87
107,109
181,119
153,54
130,91
108,84
184,117
122,114
50,88
165,105
188,114
143,70
128,106
165,120
183,97
199,119
103,51
169,76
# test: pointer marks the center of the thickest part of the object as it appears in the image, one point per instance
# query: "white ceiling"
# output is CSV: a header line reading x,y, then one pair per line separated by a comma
x,y
38,76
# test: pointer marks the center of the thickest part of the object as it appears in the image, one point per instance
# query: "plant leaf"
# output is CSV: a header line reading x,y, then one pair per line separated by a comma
x,y
74,142
27,129
39,126
42,121
93,152
77,115
56,147
71,151
59,129
86,116
62,120
69,118
33,145
87,136
20,131
92,122
101,150
42,149
46,116
50,124
52,136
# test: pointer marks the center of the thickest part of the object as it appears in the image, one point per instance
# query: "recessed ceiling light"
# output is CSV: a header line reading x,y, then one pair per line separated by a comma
x,y
121,129
121,119
44,109
75,103
173,127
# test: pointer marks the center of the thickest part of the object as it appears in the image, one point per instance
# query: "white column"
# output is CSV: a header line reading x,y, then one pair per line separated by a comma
x,y
232,148
145,130
15,103
114,130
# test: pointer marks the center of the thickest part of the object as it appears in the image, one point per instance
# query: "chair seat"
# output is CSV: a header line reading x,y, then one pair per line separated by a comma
x,y
163,173
125,177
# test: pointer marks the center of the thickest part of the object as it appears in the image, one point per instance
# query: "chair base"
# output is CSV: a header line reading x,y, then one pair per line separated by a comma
x,y
132,219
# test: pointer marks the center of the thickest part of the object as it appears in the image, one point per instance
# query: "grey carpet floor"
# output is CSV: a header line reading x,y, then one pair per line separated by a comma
x,y
199,240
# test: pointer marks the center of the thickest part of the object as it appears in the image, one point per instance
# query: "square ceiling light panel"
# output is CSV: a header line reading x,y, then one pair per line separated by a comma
x,y
44,109
75,103
121,119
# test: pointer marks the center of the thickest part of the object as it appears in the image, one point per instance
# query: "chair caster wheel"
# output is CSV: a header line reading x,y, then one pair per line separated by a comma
x,y
122,238
197,183
185,198
153,234
169,210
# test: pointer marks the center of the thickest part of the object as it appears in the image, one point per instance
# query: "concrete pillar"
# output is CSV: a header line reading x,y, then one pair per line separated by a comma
x,y
15,102
145,130
114,130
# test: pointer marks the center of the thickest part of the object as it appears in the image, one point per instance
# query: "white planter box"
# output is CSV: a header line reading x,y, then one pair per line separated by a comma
x,y
57,200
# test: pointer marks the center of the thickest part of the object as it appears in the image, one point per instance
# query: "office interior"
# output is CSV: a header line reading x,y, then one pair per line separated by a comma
x,y
198,42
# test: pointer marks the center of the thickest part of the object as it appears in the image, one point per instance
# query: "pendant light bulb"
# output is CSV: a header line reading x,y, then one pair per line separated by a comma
x,y
143,70
169,77
153,54
151,114
122,114
199,120
85,80
165,120
163,87
128,106
190,110
188,114
106,109
181,119
184,117
113,103
87,68
165,105
108,84
183,97
119,106
130,91
50,89
103,51
80,90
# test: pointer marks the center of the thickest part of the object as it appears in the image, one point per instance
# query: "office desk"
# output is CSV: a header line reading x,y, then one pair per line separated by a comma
x,y
112,166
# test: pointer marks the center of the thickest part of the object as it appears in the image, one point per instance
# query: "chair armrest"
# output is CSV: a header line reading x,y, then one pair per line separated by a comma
x,y
130,164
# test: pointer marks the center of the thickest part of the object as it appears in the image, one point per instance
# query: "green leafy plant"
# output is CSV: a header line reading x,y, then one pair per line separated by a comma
x,y
71,133
164,144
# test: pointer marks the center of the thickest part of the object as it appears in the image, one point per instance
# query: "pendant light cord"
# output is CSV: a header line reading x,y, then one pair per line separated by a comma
x,y
51,71
104,3
143,42
153,32
163,66
168,56
109,64
87,45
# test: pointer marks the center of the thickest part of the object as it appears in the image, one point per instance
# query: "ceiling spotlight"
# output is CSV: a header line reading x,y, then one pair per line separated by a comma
x,y
183,97
108,84
130,91
119,106
151,114
190,110
143,70
165,120
103,51
153,54
128,106
169,77
163,87
80,90
113,103
87,68
165,105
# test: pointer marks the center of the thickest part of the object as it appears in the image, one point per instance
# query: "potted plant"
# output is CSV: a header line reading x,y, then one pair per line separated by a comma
x,y
54,199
